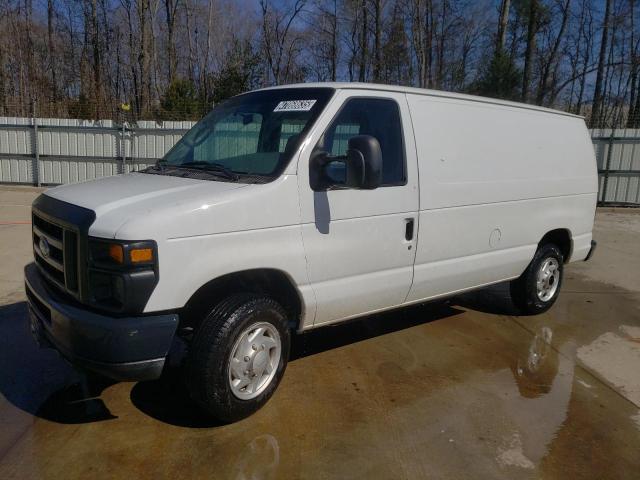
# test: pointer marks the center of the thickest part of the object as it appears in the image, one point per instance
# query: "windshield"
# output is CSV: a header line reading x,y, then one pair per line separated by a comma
x,y
250,137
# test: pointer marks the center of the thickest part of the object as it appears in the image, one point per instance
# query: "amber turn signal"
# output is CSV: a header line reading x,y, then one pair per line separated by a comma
x,y
116,253
139,255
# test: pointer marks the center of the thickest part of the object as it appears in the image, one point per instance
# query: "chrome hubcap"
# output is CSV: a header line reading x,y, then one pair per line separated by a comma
x,y
254,360
548,279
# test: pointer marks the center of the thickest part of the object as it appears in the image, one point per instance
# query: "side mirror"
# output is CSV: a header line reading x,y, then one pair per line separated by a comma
x,y
362,166
364,163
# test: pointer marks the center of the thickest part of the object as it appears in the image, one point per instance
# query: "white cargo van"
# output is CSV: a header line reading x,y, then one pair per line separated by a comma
x,y
295,207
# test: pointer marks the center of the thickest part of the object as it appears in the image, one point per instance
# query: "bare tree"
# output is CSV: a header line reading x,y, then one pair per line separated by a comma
x,y
550,62
333,32
89,55
325,39
351,38
633,120
279,38
441,43
97,55
52,47
364,42
191,44
422,38
505,6
396,56
171,11
596,111
377,39
532,30
586,28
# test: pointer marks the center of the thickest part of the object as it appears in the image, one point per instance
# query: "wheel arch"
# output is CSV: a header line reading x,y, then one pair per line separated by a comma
x,y
267,281
562,238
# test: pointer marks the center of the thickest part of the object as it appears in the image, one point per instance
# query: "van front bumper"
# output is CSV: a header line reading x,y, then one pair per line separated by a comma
x,y
123,348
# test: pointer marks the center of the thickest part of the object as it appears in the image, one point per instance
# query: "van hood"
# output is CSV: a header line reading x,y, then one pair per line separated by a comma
x,y
117,199
119,191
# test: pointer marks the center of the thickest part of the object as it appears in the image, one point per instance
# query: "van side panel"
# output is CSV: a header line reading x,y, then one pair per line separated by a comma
x,y
493,180
457,251
475,153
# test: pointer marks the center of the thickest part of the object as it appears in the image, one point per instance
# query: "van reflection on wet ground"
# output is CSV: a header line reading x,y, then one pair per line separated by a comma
x,y
452,389
536,369
260,459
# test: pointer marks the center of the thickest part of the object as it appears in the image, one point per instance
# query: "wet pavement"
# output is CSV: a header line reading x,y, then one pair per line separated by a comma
x,y
459,389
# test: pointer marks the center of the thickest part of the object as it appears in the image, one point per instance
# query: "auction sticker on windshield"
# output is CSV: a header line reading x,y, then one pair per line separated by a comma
x,y
294,106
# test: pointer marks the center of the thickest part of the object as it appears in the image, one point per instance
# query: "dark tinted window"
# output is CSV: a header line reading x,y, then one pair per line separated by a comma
x,y
379,118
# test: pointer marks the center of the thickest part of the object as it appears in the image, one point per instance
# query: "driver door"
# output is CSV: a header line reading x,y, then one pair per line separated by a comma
x,y
360,244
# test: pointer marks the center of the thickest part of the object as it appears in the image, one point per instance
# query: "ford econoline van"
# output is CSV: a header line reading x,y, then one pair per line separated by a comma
x,y
292,208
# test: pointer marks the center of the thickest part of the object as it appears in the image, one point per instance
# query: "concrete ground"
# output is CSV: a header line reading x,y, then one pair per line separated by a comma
x,y
462,389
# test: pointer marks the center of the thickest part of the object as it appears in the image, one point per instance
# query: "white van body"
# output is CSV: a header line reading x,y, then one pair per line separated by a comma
x,y
485,181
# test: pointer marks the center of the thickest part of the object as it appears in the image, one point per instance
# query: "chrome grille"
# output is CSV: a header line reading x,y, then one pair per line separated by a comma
x,y
55,252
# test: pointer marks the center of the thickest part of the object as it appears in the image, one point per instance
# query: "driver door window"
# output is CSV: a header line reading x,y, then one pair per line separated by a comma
x,y
377,117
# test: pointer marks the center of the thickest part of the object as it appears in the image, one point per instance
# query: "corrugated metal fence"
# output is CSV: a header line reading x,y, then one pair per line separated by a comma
x,y
54,151
618,154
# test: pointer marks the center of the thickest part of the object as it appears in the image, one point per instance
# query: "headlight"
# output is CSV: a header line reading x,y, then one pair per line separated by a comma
x,y
122,254
121,274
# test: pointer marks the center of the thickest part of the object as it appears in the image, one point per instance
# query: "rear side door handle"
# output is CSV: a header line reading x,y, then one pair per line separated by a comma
x,y
408,229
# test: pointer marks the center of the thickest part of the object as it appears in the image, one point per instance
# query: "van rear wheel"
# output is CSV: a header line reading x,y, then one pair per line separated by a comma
x,y
238,356
537,289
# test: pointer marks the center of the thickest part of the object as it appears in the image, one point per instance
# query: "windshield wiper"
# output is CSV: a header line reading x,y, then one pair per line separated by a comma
x,y
159,166
212,167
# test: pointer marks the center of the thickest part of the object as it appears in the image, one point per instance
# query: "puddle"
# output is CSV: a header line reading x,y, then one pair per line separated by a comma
x,y
424,392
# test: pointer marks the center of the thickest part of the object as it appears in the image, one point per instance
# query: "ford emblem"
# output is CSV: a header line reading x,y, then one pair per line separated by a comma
x,y
44,247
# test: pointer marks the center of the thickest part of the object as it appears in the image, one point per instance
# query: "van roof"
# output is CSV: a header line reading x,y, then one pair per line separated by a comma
x,y
423,91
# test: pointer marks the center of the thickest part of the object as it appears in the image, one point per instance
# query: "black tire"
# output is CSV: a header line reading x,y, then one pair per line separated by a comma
x,y
211,348
524,292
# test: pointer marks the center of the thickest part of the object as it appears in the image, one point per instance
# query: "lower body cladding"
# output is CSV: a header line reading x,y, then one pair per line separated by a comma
x,y
123,348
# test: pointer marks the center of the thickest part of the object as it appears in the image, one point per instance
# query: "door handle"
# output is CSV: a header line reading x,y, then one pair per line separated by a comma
x,y
408,229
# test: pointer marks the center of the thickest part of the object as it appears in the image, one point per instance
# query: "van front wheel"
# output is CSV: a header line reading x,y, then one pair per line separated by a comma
x,y
537,289
238,356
